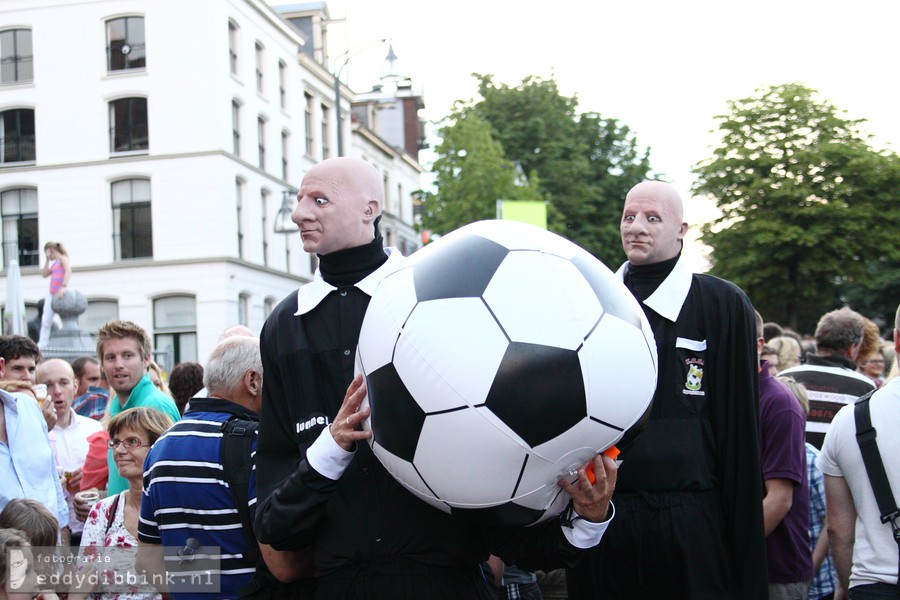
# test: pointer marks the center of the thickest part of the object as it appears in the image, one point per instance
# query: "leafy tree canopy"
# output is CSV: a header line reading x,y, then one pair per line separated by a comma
x,y
809,208
471,174
581,164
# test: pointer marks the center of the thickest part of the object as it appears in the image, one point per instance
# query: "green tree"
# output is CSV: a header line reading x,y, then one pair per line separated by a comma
x,y
808,207
585,163
581,164
471,174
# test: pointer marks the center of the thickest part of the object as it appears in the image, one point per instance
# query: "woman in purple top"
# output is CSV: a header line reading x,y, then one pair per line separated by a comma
x,y
57,269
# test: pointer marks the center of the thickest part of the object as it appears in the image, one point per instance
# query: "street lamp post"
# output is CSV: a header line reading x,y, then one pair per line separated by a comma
x,y
283,223
346,56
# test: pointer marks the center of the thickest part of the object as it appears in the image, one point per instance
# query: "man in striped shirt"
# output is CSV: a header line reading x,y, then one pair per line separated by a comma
x,y
830,375
187,502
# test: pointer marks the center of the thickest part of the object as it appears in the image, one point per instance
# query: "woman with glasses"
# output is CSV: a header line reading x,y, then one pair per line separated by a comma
x,y
872,366
113,521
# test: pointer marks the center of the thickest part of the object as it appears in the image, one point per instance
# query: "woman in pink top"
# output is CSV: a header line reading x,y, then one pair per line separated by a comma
x,y
58,270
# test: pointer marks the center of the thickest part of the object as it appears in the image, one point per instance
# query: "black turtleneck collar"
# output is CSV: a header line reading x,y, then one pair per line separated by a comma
x,y
643,280
352,265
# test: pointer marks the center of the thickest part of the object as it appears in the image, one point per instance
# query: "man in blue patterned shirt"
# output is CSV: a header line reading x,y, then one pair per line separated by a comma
x,y
822,585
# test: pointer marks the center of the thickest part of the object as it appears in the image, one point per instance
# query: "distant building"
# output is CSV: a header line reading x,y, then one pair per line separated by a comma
x,y
157,140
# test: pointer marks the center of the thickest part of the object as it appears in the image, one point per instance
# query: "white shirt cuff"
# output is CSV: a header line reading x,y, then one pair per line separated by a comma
x,y
585,534
327,458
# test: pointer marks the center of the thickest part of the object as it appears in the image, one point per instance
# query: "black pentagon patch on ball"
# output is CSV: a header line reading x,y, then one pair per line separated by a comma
x,y
397,418
503,515
462,269
534,371
603,283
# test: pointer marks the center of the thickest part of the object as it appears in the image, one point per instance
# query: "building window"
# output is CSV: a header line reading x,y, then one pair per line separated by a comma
x,y
244,310
264,205
261,134
259,67
98,313
239,197
19,208
175,330
132,223
308,123
128,130
17,136
268,306
236,126
16,57
285,138
326,151
126,47
282,83
233,46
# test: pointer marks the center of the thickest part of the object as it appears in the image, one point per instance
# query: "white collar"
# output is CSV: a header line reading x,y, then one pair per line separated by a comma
x,y
73,420
669,297
311,294
11,399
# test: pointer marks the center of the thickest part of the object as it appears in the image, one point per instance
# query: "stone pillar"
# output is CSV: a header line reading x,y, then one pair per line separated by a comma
x,y
69,342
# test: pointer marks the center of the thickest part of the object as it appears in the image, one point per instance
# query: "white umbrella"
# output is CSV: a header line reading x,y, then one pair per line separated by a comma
x,y
14,313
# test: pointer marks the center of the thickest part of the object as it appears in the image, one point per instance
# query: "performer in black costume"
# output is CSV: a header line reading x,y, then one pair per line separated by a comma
x,y
319,485
689,491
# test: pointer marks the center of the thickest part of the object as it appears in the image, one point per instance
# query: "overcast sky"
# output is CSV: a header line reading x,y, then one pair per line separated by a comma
x,y
664,68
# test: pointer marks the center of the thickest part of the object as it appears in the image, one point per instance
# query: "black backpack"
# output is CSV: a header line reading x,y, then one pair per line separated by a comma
x,y
237,437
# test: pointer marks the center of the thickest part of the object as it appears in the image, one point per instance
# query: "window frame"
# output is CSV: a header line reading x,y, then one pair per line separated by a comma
x,y
127,45
264,211
233,41
16,61
261,140
310,139
179,333
239,186
87,321
326,126
282,83
134,143
260,52
21,147
17,222
236,126
140,211
244,309
285,143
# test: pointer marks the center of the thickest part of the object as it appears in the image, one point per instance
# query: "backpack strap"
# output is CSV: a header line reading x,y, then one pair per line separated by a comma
x,y
237,437
112,513
865,437
881,486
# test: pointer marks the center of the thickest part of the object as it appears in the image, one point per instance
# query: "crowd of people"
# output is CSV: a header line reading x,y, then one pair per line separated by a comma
x,y
253,468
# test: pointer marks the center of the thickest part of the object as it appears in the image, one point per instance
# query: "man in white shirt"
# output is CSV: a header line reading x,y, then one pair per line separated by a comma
x,y
27,467
69,436
864,551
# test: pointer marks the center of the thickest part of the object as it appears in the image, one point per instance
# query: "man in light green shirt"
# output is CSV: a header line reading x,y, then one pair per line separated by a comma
x,y
124,352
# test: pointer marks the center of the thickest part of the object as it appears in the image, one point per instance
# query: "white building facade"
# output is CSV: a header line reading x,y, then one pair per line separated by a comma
x,y
157,140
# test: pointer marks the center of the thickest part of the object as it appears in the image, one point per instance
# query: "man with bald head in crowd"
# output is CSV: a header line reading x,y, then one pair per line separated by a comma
x,y
69,437
689,494
320,487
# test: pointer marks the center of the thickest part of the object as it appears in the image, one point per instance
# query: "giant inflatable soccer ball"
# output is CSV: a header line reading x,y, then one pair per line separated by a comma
x,y
499,359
